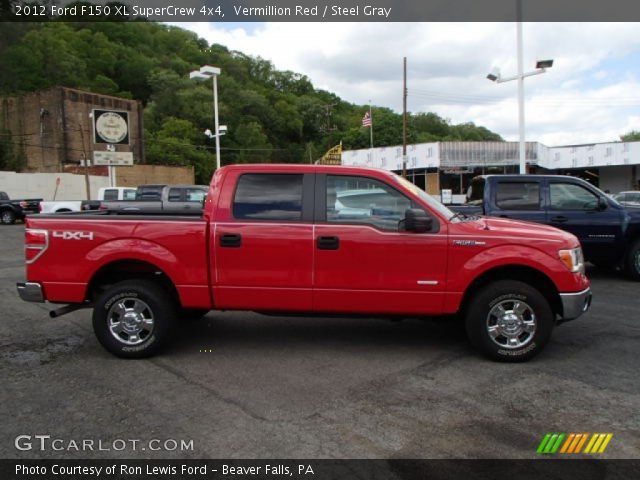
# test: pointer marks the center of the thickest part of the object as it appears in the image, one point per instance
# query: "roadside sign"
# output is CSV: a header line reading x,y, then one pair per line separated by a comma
x,y
446,196
120,159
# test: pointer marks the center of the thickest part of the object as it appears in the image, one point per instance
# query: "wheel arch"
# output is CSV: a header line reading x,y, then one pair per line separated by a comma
x,y
522,273
129,269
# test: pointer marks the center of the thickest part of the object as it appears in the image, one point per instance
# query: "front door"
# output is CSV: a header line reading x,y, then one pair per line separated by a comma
x,y
575,209
364,261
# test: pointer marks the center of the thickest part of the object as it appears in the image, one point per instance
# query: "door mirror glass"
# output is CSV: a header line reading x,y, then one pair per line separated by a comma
x,y
417,220
602,203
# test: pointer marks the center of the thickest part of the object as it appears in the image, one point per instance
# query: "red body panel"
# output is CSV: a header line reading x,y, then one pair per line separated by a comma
x,y
278,266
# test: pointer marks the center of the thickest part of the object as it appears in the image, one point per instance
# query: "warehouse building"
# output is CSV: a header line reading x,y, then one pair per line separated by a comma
x,y
53,130
436,166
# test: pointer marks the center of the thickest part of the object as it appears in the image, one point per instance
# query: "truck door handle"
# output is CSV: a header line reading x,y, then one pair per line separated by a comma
x,y
328,243
231,240
559,219
504,216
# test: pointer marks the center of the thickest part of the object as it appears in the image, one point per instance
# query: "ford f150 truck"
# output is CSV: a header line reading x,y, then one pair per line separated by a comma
x,y
609,232
289,239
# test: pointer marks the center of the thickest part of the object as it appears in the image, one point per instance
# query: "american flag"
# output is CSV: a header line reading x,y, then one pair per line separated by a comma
x,y
366,120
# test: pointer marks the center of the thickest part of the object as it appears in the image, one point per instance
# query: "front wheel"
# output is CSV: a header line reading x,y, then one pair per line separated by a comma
x,y
8,217
632,261
132,318
509,321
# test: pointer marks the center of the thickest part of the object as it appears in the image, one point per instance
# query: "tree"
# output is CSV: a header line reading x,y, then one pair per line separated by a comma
x,y
632,136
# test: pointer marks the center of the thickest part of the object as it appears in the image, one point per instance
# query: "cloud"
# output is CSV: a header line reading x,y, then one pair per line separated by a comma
x,y
581,99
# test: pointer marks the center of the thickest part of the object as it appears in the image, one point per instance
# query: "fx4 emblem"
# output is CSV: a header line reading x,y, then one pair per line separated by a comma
x,y
73,235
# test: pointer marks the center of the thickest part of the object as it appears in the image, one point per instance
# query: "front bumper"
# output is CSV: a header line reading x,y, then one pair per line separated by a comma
x,y
575,304
30,292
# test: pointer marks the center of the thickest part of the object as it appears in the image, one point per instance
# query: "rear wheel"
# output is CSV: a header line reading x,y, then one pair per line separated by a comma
x,y
632,261
509,321
8,217
132,318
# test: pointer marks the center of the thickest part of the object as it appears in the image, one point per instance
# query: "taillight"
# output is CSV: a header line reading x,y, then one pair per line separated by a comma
x,y
35,243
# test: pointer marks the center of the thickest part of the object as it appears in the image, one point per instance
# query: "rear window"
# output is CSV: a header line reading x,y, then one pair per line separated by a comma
x,y
518,195
111,194
261,196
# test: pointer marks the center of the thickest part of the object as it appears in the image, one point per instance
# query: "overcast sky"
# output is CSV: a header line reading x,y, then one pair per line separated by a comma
x,y
592,93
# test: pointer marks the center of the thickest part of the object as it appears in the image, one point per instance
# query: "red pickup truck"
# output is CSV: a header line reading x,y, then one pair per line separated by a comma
x,y
314,240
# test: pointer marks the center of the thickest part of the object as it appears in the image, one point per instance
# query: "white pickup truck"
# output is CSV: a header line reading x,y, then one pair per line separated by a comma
x,y
104,194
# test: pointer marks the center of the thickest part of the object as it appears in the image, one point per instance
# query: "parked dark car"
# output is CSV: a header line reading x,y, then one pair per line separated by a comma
x,y
12,210
609,232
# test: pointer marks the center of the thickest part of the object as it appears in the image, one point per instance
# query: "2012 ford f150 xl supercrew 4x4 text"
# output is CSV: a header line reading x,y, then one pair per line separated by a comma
x,y
308,239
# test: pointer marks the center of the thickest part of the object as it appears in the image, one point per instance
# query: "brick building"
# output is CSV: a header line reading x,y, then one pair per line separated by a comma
x,y
53,129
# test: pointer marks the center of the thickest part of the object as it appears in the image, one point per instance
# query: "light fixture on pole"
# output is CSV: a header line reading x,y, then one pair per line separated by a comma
x,y
495,76
206,72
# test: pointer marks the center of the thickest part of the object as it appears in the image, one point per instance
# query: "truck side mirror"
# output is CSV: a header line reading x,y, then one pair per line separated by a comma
x,y
416,220
602,203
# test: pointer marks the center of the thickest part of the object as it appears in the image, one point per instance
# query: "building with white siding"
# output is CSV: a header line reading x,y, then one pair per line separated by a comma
x,y
435,166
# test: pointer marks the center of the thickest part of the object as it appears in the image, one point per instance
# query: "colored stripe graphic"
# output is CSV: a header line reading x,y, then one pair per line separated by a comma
x,y
550,443
598,443
572,443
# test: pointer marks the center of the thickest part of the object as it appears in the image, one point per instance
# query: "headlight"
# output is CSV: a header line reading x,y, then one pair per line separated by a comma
x,y
573,259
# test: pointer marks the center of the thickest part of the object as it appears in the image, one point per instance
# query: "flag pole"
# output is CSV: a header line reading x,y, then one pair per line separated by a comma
x,y
371,126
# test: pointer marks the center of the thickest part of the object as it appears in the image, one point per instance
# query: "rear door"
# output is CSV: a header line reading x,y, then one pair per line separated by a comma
x,y
518,199
263,241
364,261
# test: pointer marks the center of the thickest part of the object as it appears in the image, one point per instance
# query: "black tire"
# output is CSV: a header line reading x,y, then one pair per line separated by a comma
x,y
192,313
632,261
480,318
155,303
7,217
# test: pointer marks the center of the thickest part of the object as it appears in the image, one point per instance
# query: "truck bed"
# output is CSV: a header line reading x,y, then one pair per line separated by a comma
x,y
80,244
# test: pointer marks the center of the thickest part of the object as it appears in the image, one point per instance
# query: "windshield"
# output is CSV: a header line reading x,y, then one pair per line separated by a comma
x,y
433,203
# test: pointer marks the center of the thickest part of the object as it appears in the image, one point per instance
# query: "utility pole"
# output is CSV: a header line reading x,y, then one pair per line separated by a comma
x,y
404,119
327,128
87,181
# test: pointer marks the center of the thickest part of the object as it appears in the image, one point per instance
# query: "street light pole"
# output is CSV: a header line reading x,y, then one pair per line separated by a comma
x,y
495,76
215,119
522,145
206,72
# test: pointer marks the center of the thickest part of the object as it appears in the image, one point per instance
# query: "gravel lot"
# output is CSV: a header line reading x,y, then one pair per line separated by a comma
x,y
316,388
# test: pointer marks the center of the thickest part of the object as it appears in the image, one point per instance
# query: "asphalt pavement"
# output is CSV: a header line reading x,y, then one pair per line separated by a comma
x,y
244,385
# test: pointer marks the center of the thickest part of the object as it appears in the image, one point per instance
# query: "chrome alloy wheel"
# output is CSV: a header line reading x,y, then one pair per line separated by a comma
x,y
511,324
130,321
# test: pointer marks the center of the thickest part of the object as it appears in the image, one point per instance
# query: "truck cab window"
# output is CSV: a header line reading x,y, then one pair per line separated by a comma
x,y
268,196
111,194
518,195
175,194
195,194
568,196
364,200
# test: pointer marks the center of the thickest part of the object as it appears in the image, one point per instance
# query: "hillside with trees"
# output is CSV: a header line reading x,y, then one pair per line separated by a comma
x,y
272,115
